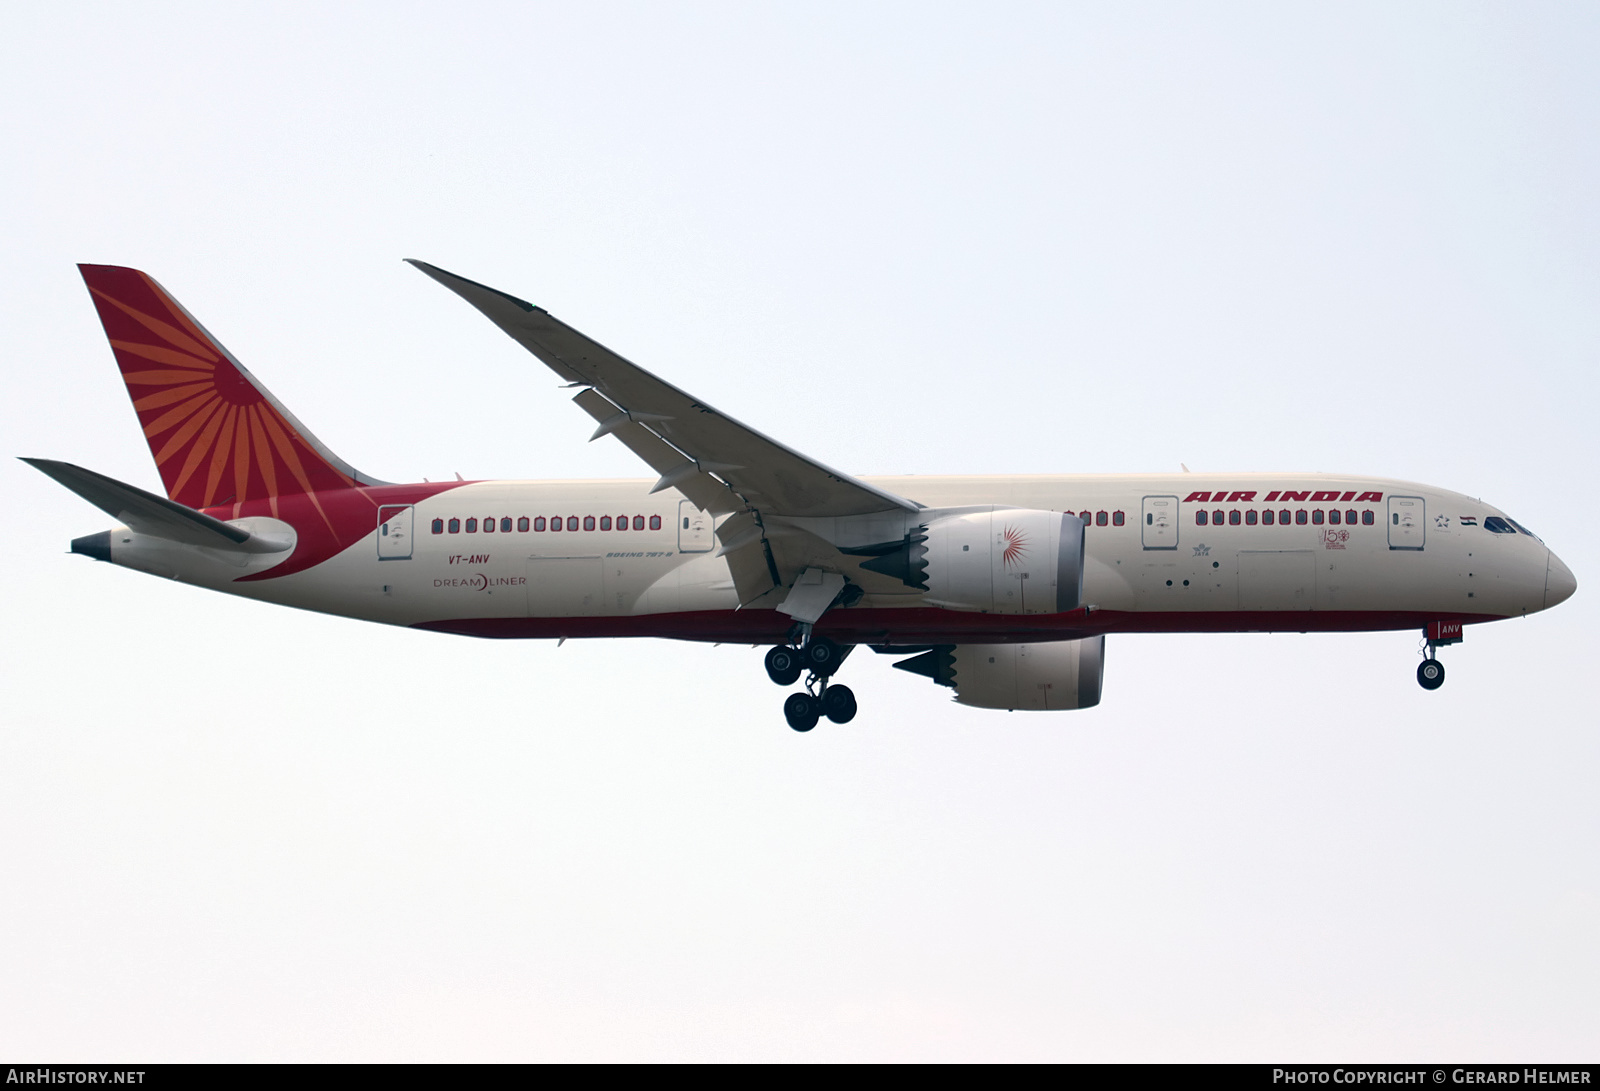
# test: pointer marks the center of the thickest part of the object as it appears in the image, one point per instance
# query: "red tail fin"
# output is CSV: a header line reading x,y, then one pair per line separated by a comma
x,y
218,436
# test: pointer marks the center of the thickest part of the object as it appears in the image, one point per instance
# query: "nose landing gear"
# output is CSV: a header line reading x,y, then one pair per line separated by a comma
x,y
1430,672
822,657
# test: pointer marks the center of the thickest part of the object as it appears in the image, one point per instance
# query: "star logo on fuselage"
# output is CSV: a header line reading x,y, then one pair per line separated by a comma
x,y
1202,550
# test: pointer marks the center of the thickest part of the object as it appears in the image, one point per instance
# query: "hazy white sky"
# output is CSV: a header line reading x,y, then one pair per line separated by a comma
x,y
902,238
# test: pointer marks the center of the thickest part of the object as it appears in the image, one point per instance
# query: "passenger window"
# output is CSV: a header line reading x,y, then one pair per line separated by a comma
x,y
555,522
572,522
1117,519
1217,516
1233,517
505,525
1267,517
1350,516
438,526
1283,517
1300,517
638,522
538,522
655,522
1101,518
1333,516
472,526
1201,518
1250,517
1366,519
1316,517
522,525
455,526
488,525
1086,516
588,522
622,522
605,522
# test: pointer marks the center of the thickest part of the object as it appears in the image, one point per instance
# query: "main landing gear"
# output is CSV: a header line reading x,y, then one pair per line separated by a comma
x,y
821,657
784,665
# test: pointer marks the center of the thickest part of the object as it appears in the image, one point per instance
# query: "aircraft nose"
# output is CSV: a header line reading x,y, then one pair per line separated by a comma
x,y
1559,582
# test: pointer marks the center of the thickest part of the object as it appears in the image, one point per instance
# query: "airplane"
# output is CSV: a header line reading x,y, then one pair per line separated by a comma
x,y
1002,589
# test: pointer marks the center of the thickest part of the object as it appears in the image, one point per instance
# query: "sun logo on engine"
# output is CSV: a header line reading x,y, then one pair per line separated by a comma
x,y
1016,546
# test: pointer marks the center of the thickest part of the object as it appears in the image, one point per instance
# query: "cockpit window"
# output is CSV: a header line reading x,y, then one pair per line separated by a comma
x,y
1498,525
1525,530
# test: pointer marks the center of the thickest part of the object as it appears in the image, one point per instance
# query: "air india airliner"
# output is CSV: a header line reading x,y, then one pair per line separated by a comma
x,y
1002,589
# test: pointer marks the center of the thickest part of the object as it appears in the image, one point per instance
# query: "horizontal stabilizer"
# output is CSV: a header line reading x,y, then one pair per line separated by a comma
x,y
155,515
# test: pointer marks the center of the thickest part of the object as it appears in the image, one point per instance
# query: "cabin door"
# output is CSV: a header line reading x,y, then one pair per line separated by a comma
x,y
1406,522
1160,522
394,532
694,528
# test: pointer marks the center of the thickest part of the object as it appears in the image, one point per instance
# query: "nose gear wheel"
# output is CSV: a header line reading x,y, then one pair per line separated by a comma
x,y
1430,672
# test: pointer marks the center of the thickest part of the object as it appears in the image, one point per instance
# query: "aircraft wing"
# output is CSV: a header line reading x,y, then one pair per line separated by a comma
x,y
719,463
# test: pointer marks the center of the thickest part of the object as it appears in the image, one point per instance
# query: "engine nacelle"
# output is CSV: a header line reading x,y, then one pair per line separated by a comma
x,y
994,560
1057,676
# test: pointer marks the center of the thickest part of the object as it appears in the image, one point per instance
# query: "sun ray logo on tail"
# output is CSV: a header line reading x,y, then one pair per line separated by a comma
x,y
218,439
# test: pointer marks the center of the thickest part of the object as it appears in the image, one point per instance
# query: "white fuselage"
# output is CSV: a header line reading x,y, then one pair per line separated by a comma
x,y
1414,554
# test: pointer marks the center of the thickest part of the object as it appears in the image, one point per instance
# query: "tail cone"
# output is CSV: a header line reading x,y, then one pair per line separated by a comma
x,y
97,546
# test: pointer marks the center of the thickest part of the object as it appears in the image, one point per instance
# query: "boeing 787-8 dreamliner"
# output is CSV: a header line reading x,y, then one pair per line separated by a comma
x,y
1001,588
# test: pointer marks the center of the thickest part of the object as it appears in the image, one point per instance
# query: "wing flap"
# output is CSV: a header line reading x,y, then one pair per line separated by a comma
x,y
749,555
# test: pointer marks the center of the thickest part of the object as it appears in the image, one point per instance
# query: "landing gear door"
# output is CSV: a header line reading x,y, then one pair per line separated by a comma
x,y
1160,522
1407,522
394,533
694,528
